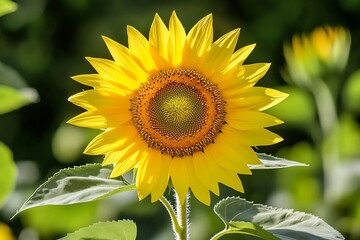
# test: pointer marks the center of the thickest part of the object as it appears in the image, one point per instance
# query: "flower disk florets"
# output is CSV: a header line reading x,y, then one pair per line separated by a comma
x,y
178,111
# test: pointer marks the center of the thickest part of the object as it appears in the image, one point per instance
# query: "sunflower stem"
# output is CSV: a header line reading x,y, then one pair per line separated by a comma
x,y
182,211
174,221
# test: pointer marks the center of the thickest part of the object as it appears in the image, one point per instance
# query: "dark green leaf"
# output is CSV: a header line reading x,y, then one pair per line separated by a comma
x,y
283,223
119,230
76,185
271,162
7,173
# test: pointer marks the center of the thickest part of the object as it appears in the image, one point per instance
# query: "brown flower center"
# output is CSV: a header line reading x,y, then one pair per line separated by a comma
x,y
178,111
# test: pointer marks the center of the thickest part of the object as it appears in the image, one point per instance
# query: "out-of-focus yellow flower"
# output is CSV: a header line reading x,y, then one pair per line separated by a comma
x,y
5,232
326,49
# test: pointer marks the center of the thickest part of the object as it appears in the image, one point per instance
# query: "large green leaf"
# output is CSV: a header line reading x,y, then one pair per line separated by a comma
x,y
271,162
7,173
76,185
282,223
119,230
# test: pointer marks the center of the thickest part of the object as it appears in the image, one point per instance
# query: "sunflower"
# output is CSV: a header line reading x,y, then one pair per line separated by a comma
x,y
177,107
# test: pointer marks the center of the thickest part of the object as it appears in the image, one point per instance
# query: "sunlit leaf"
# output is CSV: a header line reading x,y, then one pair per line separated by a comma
x,y
271,162
46,219
7,173
12,99
282,223
119,230
7,6
251,229
76,185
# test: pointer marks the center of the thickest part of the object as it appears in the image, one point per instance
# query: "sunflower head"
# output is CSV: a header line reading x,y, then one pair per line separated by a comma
x,y
178,107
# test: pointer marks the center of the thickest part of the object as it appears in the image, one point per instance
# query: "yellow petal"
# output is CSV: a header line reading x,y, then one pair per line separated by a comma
x,y
158,39
111,140
125,166
219,55
256,98
198,41
90,120
163,179
226,177
247,76
200,191
123,57
238,58
139,47
120,154
243,120
148,172
113,72
204,173
177,40
276,96
95,81
102,100
253,137
228,155
180,176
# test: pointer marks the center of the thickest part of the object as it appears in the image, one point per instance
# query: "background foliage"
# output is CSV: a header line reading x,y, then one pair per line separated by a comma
x,y
45,42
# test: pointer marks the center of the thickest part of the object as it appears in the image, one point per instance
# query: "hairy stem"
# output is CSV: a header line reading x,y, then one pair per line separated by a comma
x,y
178,216
182,211
174,221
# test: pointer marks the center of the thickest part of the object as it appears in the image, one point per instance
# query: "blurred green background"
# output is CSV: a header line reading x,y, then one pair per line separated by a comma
x,y
44,43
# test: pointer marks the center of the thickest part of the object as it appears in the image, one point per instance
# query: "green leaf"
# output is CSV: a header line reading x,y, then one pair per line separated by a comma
x,y
7,6
12,99
251,229
271,162
46,219
7,173
282,223
76,185
116,230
